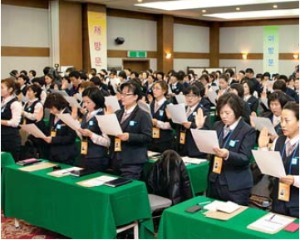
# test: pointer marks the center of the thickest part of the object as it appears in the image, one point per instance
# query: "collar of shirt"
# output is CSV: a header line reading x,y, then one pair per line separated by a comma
x,y
33,100
94,113
233,126
161,101
6,100
130,110
293,140
247,97
276,119
192,109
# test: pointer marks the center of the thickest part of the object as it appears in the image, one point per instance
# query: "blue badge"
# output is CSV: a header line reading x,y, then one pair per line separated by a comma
x,y
91,123
131,123
161,113
231,143
29,109
58,126
2,110
294,161
194,114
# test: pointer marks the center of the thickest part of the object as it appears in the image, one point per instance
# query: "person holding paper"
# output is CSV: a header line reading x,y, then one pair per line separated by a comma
x,y
286,189
11,111
61,138
162,134
129,150
230,178
94,144
186,145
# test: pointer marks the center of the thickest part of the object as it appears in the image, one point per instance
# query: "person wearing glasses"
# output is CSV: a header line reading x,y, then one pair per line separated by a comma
x,y
186,145
129,149
286,189
162,134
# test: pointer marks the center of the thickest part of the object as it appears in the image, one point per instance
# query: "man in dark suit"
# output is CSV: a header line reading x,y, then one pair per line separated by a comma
x,y
129,150
230,178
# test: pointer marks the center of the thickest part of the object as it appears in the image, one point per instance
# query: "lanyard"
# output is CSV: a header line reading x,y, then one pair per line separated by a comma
x,y
293,155
227,137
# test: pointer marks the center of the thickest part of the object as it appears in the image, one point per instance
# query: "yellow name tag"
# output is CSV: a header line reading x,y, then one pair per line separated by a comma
x,y
118,147
284,192
155,132
53,133
24,121
182,138
84,147
217,167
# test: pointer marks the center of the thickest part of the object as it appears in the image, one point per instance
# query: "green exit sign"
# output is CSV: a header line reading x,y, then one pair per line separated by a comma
x,y
137,54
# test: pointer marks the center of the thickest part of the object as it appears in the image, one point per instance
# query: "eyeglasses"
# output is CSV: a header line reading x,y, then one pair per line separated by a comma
x,y
191,96
126,94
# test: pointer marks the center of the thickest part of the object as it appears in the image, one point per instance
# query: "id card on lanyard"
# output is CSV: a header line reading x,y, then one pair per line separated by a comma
x,y
118,146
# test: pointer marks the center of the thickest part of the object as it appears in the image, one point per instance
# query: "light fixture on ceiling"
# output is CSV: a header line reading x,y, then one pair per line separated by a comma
x,y
192,4
168,55
140,1
296,56
204,11
238,9
256,14
275,6
244,55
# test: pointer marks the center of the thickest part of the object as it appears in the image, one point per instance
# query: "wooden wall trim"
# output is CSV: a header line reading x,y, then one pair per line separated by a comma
x,y
24,51
189,55
193,22
123,54
286,21
130,14
252,56
27,3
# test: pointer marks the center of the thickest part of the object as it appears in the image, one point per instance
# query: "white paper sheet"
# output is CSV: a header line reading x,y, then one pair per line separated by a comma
x,y
178,113
145,107
205,140
109,124
61,92
193,160
98,181
264,101
212,96
63,172
33,129
180,98
72,101
70,121
269,163
113,102
261,122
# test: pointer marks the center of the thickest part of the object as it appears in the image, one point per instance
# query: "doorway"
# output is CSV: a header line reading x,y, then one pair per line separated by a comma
x,y
136,65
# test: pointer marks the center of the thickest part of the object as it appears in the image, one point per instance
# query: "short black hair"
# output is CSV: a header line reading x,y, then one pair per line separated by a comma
x,y
23,72
123,74
95,95
39,80
294,107
280,85
200,86
239,88
96,80
24,77
249,70
230,71
13,73
133,86
56,100
250,84
46,70
279,96
75,74
36,89
234,102
33,72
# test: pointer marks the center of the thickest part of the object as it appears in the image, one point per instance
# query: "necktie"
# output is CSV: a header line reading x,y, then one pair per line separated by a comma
x,y
188,113
124,117
226,131
156,106
289,148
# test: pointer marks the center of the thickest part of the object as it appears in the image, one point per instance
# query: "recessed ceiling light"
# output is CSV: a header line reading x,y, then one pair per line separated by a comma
x,y
192,4
255,14
140,1
204,11
238,9
275,6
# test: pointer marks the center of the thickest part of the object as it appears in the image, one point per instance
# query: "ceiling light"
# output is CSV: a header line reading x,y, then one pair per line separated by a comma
x,y
238,9
192,4
275,6
204,11
255,14
140,1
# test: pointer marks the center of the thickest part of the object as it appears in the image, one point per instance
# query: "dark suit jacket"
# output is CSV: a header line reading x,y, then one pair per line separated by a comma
x,y
139,127
236,172
269,115
253,103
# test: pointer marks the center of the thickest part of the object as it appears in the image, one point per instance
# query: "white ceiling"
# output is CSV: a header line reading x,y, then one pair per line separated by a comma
x,y
197,13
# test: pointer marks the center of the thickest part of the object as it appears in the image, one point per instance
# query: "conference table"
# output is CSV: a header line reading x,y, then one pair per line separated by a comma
x,y
62,206
177,223
198,174
6,159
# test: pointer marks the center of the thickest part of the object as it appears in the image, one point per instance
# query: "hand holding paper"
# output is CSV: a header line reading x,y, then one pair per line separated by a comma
x,y
70,121
177,113
109,124
112,102
261,122
33,129
206,140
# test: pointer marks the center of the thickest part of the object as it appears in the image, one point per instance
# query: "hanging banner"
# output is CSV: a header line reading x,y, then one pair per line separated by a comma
x,y
97,39
271,49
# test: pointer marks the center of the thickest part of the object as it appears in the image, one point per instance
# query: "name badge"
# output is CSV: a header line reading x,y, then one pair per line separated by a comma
x,y
131,123
217,167
194,114
58,126
118,147
161,113
284,192
84,147
91,123
182,138
232,143
53,133
155,132
29,109
294,161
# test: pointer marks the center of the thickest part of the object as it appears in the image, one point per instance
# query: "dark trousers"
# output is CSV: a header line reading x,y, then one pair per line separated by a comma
x,y
281,208
132,171
222,192
98,164
11,144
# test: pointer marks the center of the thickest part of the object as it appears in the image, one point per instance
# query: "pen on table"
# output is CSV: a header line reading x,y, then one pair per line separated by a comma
x,y
272,217
206,202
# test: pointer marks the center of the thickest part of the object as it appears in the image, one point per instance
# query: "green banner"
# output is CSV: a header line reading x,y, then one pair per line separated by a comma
x,y
271,49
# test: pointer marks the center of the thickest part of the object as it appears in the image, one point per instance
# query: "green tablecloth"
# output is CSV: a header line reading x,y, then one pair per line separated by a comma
x,y
176,223
6,159
197,172
60,205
